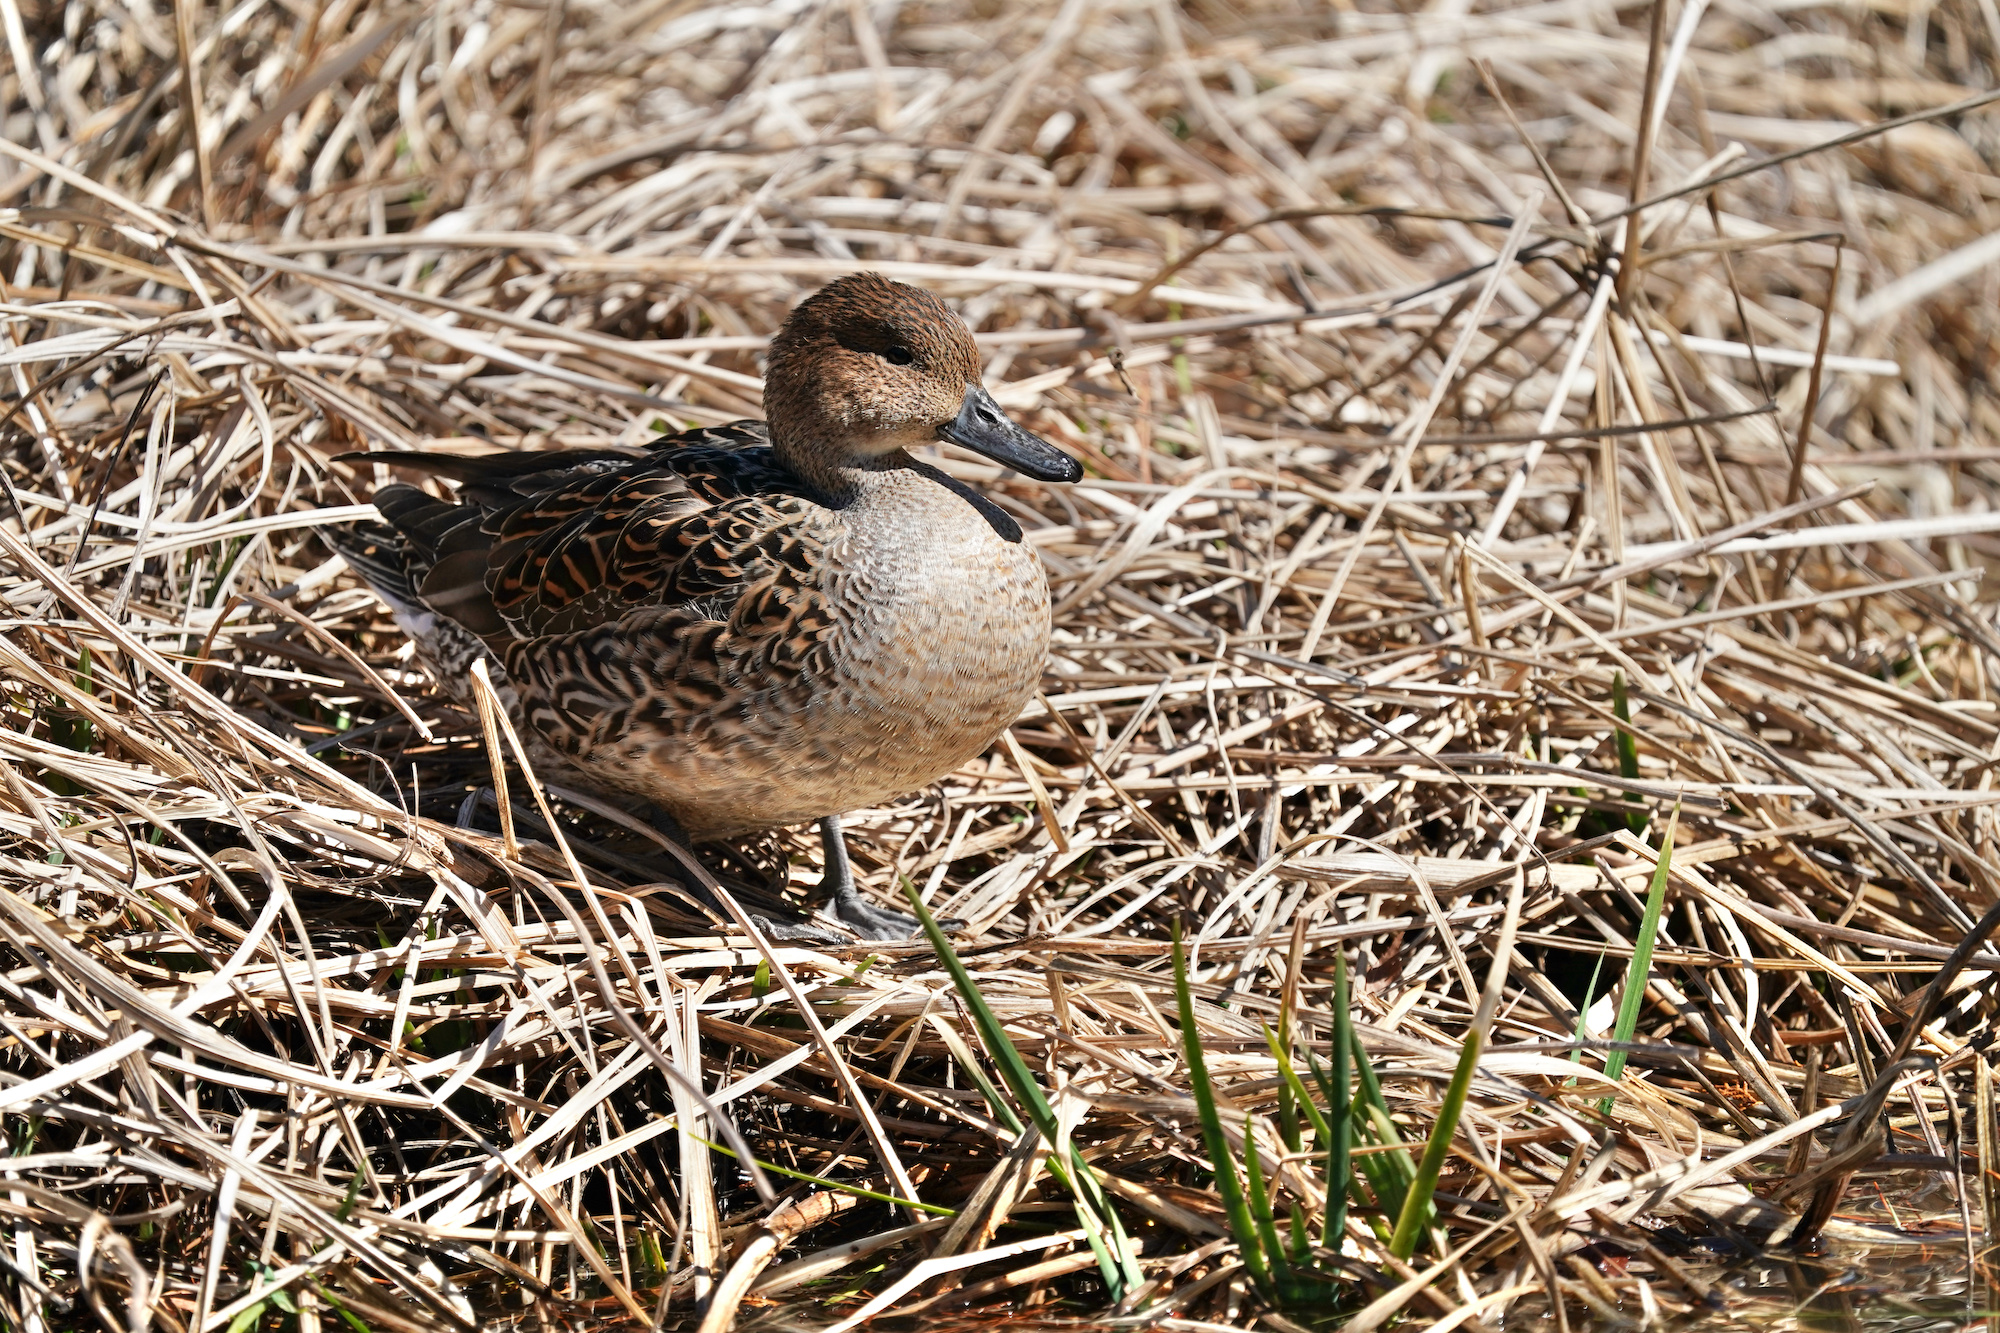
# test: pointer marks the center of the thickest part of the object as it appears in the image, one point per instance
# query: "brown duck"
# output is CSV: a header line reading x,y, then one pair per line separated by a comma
x,y
754,625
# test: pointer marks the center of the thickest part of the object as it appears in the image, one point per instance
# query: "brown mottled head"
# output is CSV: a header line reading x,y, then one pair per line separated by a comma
x,y
867,367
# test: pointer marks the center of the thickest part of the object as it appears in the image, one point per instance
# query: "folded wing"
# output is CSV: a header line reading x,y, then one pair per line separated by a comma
x,y
545,545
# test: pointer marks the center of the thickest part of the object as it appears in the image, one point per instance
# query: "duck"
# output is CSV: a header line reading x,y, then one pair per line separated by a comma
x,y
750,626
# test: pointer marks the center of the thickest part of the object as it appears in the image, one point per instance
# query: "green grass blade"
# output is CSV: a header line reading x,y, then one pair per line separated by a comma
x,y
1335,1129
1628,745
1418,1208
1387,1191
1371,1088
1375,1111
1094,1211
1634,997
1340,1112
1420,1201
1003,1110
992,1034
1126,1253
1248,1239
354,1321
1387,1173
1321,1077
839,1186
1101,1223
353,1196
1288,1107
1259,1199
1288,1113
1300,1097
1583,1017
651,1261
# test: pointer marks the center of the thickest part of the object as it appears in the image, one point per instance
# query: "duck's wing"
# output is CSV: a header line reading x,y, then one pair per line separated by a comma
x,y
543,544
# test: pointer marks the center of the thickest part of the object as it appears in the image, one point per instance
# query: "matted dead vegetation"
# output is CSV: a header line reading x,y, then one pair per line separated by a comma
x,y
1376,535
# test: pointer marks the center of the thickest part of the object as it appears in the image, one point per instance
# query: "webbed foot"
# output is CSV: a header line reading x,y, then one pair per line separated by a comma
x,y
869,921
784,931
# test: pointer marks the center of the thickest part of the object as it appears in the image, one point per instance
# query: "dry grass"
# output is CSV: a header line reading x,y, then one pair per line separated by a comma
x,y
1373,526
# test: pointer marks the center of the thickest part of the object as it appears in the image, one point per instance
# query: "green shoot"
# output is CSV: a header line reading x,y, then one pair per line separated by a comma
x,y
1249,1236
353,1194
1418,1208
1419,1201
1583,1015
839,1186
1628,746
1634,997
1340,1111
1099,1219
353,1320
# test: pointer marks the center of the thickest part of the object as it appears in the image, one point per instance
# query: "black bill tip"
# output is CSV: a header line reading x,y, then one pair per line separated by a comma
x,y
986,430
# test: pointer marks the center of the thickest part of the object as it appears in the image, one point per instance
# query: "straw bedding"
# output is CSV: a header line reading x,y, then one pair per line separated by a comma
x,y
1378,535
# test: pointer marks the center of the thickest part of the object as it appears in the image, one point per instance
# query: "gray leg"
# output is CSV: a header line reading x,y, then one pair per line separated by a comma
x,y
670,828
869,921
667,826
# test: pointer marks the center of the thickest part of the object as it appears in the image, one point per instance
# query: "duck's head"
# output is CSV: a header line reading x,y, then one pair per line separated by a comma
x,y
867,368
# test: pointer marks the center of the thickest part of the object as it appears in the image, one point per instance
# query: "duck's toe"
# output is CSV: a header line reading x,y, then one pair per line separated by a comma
x,y
869,921
879,923
797,932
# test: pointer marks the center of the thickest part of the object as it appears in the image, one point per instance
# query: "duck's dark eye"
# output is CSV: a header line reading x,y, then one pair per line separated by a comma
x,y
899,356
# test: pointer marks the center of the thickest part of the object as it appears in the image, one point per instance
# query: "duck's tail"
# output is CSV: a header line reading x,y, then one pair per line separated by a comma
x,y
378,553
394,566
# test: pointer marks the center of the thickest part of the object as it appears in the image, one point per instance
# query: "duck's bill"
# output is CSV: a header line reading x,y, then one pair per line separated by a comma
x,y
983,428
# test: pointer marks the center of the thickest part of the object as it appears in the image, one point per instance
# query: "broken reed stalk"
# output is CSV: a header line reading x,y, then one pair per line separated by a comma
x,y
275,1028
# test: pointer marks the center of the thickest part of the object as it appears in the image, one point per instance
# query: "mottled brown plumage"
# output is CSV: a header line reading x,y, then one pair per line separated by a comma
x,y
748,626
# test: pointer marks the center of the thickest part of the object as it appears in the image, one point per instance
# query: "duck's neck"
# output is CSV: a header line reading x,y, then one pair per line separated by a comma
x,y
854,480
882,492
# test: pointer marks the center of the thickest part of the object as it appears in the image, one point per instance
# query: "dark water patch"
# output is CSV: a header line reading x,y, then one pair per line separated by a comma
x,y
1922,1286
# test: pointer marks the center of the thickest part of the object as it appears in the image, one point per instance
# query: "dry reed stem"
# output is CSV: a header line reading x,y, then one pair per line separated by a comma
x,y
1340,608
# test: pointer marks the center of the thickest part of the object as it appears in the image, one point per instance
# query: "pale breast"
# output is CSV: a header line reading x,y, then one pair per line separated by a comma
x,y
940,630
